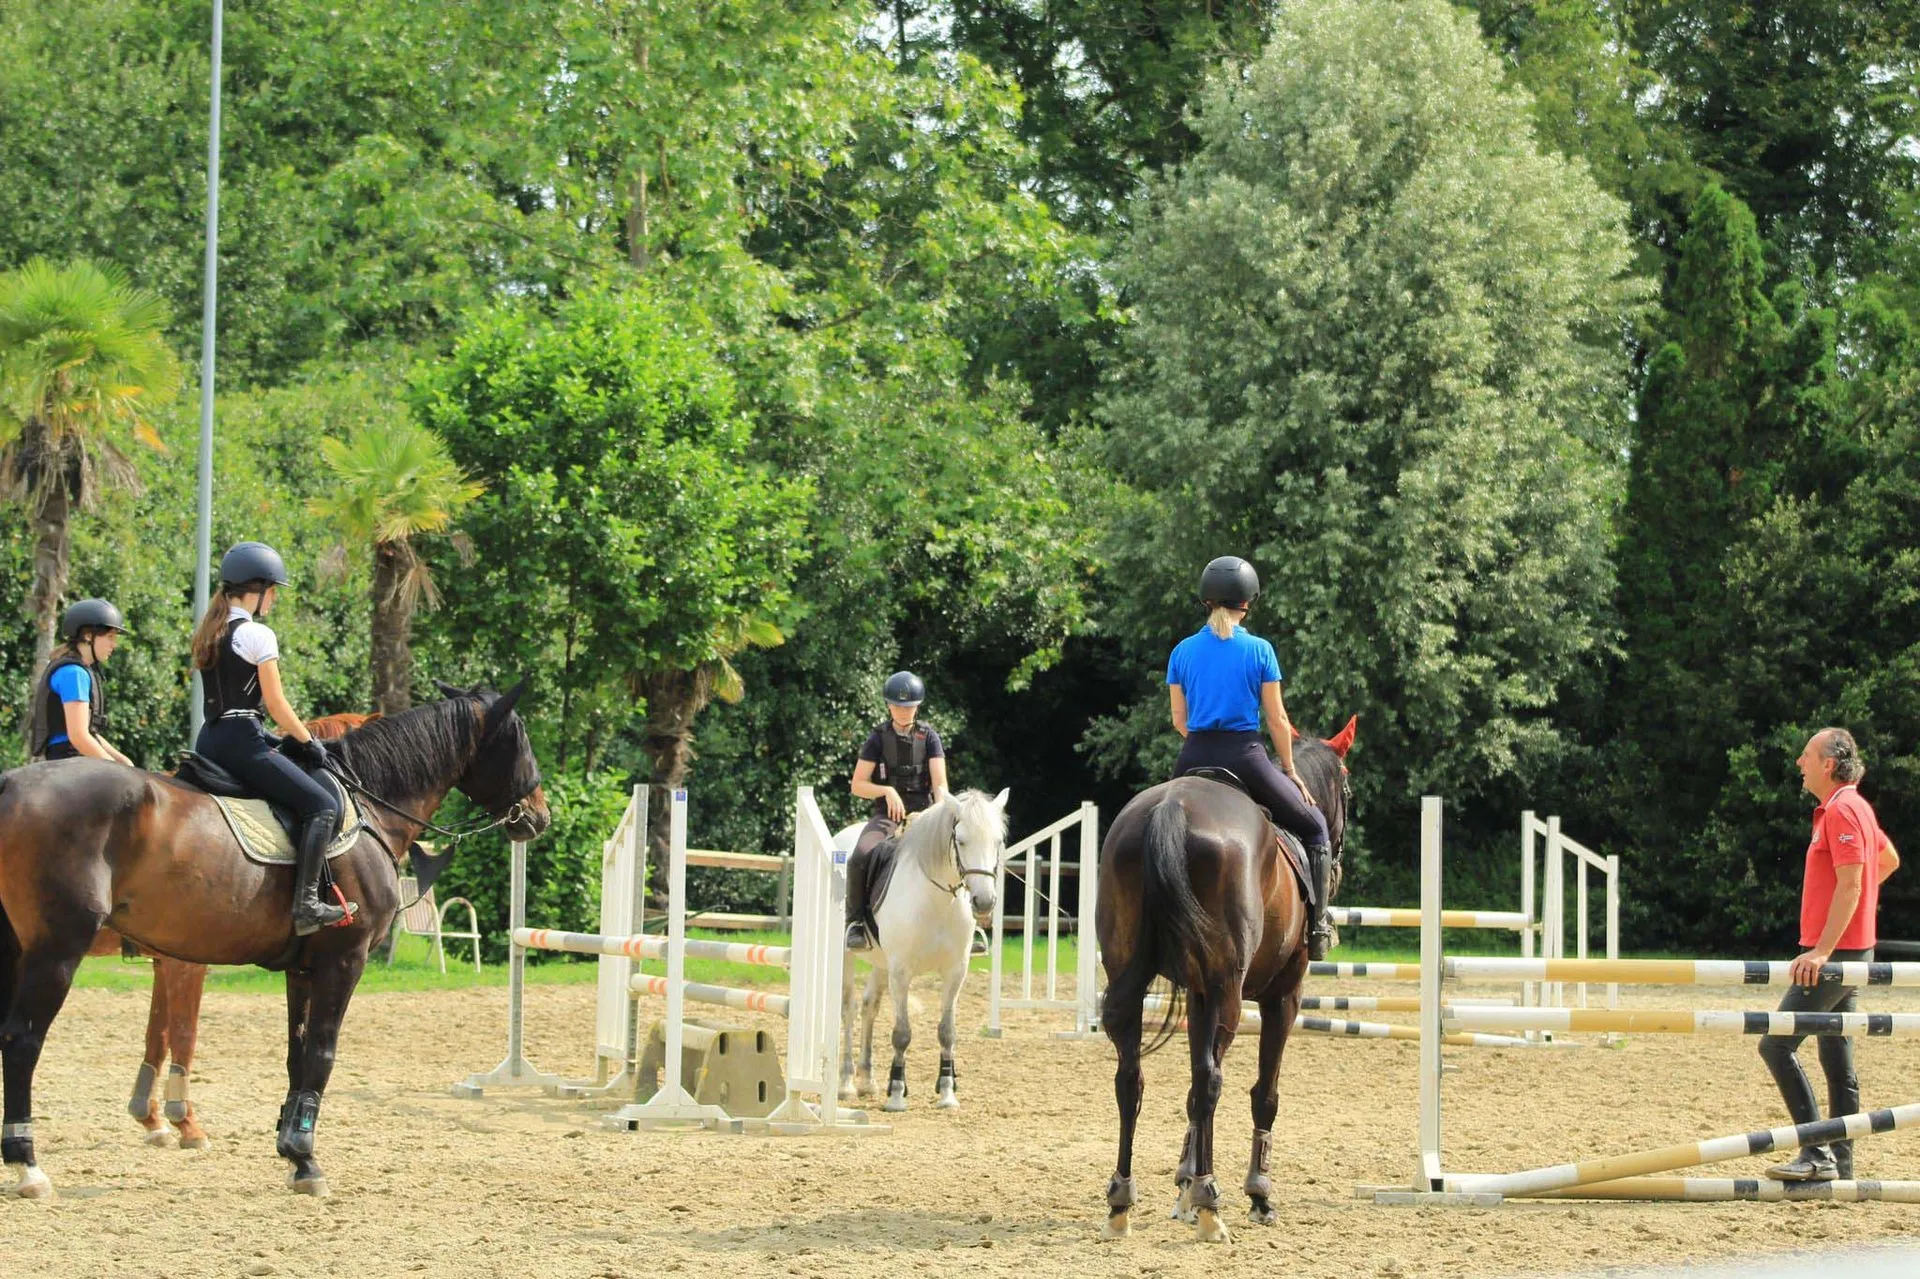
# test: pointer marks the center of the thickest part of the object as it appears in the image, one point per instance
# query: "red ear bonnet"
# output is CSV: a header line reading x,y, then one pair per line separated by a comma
x,y
1342,742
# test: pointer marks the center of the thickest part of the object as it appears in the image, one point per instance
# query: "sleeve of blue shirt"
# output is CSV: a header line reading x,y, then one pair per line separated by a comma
x,y
72,684
1269,664
1174,674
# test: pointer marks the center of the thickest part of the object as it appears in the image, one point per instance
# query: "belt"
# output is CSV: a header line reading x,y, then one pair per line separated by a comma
x,y
240,715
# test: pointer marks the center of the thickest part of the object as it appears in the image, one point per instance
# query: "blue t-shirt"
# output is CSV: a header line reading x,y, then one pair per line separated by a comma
x,y
1222,679
70,684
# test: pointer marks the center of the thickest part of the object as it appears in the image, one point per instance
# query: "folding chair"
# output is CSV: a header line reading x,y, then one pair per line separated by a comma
x,y
425,919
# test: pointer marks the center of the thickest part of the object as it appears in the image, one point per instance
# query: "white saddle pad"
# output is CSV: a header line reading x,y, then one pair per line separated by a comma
x,y
265,841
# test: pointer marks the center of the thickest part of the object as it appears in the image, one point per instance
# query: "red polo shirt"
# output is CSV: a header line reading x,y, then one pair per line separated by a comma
x,y
1845,833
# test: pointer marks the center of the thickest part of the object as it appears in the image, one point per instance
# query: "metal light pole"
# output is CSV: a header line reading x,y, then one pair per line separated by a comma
x,y
203,536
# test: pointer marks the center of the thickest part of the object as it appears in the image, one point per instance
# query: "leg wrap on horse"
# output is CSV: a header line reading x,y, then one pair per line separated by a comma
x,y
1259,1183
140,1104
1119,1194
299,1115
1204,1193
16,1143
176,1094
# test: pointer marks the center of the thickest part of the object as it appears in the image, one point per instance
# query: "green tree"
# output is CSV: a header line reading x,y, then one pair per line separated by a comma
x,y
638,543
393,482
82,362
1376,347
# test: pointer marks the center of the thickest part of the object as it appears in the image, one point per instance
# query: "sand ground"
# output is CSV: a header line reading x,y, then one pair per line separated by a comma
x,y
1012,1184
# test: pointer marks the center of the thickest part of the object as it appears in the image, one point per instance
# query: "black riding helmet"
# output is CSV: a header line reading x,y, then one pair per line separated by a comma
x,y
1229,582
248,562
904,688
99,614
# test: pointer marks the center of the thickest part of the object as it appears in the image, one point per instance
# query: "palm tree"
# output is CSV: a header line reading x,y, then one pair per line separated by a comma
x,y
395,482
676,696
83,360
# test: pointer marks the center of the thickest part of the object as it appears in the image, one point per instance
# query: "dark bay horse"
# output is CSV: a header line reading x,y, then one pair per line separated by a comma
x,y
1194,888
173,1014
86,843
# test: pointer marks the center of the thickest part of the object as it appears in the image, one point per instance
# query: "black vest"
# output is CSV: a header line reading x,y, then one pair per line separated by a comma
x,y
234,683
903,766
50,714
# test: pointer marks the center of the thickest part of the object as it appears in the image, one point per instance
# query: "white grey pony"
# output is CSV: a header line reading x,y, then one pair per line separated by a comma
x,y
948,859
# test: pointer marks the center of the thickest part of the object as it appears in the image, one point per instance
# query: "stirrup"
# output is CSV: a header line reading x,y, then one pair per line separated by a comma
x,y
857,937
979,945
1319,941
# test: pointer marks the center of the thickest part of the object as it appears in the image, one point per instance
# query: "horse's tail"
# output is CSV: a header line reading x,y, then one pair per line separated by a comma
x,y
1177,935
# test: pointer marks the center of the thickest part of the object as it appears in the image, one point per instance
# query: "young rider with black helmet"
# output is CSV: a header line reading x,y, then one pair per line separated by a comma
x,y
238,657
903,769
1220,679
70,697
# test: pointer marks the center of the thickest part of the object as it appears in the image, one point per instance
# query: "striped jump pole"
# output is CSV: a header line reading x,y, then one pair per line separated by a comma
x,y
1250,1020
1383,917
1751,1189
1668,1158
1674,972
649,947
750,1001
1680,1021
1383,972
1383,1003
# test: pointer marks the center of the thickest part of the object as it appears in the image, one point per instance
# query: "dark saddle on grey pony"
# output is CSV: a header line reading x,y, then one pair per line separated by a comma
x,y
881,863
1296,852
203,774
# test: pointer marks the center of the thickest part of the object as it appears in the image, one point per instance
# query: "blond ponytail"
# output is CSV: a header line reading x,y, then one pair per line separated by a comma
x,y
1222,621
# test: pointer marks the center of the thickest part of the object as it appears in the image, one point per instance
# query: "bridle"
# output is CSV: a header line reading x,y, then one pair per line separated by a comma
x,y
516,809
953,846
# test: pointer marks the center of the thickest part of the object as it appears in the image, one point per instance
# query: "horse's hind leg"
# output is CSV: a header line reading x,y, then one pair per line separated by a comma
x,y
869,1013
1121,1017
1207,1041
141,1105
185,984
1276,1023
41,980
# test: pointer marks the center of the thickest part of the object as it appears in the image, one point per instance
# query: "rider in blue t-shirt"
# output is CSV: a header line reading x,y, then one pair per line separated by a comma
x,y
70,697
1220,679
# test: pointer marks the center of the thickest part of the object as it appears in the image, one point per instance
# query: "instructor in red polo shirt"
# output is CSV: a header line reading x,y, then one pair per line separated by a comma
x,y
1839,896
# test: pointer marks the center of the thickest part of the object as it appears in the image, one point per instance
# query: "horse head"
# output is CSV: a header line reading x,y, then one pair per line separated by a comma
x,y
979,844
503,776
1323,765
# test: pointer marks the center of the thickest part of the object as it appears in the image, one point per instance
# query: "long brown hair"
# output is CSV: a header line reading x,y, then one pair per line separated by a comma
x,y
211,633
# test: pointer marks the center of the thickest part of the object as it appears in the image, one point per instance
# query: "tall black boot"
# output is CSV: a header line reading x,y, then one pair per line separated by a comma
x,y
1320,866
310,914
857,936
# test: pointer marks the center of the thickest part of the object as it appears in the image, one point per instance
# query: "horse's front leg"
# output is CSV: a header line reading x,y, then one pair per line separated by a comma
x,y
899,979
185,983
947,1089
869,1012
142,1105
1276,1023
846,1028
330,989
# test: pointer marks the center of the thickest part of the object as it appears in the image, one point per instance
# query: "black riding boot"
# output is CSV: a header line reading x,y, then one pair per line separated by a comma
x,y
310,914
857,935
1320,866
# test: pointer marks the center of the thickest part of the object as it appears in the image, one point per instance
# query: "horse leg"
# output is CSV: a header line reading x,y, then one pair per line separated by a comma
x,y
896,1101
141,1105
846,1029
869,1012
946,1091
1121,1017
330,989
299,1008
42,977
1276,1023
1206,1045
185,984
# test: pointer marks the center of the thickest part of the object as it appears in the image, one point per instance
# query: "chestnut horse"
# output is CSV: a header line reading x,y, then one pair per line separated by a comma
x,y
173,1012
86,843
1195,888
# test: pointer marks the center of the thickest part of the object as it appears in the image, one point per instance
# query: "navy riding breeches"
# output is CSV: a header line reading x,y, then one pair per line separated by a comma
x,y
1245,755
240,746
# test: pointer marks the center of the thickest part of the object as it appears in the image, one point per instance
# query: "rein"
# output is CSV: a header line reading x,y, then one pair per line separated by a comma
x,y
953,846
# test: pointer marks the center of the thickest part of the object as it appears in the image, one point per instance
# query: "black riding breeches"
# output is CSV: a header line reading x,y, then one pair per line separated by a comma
x,y
1836,1052
62,750
240,746
1245,755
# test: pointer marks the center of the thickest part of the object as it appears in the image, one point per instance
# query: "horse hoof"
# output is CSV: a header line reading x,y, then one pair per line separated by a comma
x,y
1119,1226
161,1138
1183,1212
895,1105
315,1185
1208,1228
947,1101
197,1141
33,1184
1263,1214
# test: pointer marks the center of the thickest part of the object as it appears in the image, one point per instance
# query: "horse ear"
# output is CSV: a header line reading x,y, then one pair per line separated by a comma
x,y
1000,800
448,690
503,707
1342,742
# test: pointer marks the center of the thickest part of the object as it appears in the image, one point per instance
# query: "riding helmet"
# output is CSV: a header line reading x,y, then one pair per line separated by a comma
x,y
1229,582
99,614
248,562
904,688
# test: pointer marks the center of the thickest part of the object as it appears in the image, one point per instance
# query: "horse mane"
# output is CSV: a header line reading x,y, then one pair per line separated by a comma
x,y
926,838
415,752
